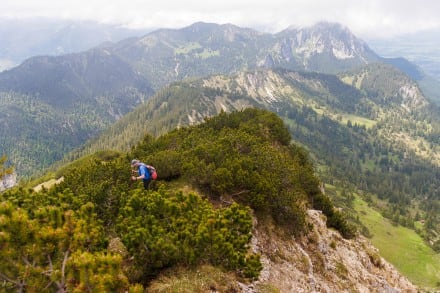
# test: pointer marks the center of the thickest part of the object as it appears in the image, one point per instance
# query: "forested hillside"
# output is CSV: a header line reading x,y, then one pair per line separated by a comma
x,y
97,231
372,131
81,94
46,112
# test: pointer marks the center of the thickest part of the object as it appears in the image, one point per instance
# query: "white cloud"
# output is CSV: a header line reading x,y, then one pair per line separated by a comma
x,y
366,18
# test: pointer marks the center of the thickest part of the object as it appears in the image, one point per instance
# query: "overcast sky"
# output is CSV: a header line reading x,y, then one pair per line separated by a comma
x,y
366,18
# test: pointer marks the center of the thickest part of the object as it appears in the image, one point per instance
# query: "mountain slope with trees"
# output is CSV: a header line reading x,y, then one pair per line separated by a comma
x,y
50,105
218,181
376,137
85,92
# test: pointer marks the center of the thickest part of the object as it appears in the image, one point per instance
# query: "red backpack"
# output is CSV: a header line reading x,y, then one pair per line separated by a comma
x,y
153,173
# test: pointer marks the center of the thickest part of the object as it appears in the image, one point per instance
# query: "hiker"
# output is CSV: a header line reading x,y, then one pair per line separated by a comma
x,y
143,171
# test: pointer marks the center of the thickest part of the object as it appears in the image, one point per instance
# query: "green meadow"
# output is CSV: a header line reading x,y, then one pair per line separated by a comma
x,y
355,119
402,247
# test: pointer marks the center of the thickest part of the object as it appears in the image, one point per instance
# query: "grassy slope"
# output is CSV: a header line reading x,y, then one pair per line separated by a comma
x,y
402,247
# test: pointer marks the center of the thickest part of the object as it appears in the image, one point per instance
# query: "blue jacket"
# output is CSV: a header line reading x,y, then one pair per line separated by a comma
x,y
143,170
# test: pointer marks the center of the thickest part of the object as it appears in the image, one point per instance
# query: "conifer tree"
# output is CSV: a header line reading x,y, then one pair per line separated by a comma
x,y
56,250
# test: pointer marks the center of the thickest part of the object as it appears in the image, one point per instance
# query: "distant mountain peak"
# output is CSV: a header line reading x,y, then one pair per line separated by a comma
x,y
332,40
322,26
200,25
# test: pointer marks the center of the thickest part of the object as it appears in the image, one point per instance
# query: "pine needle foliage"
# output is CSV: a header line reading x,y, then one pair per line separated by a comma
x,y
247,156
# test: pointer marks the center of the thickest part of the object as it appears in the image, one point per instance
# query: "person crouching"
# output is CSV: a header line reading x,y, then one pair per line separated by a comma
x,y
143,172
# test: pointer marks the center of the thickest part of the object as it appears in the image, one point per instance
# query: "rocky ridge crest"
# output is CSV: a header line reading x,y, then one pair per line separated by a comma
x,y
323,261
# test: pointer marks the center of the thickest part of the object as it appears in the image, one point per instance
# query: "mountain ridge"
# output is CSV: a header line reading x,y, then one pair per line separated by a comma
x,y
233,193
143,65
267,87
329,263
368,136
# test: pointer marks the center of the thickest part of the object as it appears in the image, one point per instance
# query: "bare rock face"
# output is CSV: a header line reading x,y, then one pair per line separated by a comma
x,y
8,181
323,261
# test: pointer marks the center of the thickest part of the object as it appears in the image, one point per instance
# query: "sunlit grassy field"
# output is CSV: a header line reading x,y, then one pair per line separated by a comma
x,y
402,247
